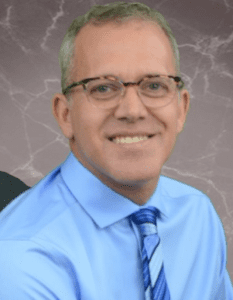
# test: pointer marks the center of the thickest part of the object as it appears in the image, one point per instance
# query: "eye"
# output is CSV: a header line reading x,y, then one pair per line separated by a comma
x,y
104,88
154,85
101,88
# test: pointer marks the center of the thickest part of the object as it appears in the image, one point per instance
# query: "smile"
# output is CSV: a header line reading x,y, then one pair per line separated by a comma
x,y
131,141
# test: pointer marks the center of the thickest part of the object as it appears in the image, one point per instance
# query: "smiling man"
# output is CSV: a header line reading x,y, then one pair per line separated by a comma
x,y
130,52
105,224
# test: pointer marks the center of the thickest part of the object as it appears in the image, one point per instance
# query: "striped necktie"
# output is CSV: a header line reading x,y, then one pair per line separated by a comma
x,y
155,284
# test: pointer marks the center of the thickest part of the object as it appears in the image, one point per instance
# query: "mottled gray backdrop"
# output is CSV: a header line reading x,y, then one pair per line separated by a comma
x,y
31,143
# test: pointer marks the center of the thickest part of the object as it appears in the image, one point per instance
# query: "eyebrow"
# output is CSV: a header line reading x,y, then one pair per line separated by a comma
x,y
143,75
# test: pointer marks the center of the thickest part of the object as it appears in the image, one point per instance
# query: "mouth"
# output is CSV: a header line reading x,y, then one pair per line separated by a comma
x,y
149,136
130,140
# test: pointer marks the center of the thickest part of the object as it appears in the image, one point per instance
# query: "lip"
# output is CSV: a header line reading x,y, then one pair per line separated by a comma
x,y
136,145
125,134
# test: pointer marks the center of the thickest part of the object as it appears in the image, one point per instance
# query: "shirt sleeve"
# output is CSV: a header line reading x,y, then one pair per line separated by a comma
x,y
228,287
27,271
225,291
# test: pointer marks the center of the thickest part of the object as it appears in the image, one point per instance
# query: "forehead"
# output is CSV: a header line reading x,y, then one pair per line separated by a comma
x,y
125,50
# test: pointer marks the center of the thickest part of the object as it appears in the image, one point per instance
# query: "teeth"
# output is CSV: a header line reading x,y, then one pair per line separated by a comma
x,y
129,140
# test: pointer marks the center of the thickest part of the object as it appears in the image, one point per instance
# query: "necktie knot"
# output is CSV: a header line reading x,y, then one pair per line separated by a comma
x,y
145,219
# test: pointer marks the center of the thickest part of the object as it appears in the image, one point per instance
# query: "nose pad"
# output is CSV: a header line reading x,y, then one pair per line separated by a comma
x,y
126,84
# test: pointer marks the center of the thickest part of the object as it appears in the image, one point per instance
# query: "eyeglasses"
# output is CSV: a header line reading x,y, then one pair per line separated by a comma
x,y
105,92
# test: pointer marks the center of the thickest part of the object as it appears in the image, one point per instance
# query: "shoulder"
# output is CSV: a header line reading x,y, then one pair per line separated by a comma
x,y
176,189
39,205
185,200
31,270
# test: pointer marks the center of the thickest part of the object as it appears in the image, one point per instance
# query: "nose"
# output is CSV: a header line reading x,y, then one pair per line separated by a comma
x,y
130,105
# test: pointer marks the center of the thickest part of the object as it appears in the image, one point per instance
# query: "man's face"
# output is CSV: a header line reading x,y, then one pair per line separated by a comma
x,y
128,51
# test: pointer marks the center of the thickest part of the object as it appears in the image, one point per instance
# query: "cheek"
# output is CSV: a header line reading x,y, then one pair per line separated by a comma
x,y
87,129
167,117
169,121
172,128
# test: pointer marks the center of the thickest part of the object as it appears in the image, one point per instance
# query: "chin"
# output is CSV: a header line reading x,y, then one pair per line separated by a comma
x,y
134,179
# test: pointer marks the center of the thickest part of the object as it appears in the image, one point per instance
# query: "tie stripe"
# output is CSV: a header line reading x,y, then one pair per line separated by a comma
x,y
155,284
148,228
155,265
148,293
146,271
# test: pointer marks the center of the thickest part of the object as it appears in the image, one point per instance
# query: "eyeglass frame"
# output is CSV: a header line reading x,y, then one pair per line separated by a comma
x,y
85,81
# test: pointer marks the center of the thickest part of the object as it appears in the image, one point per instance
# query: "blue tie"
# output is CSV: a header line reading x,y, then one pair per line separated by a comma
x,y
155,284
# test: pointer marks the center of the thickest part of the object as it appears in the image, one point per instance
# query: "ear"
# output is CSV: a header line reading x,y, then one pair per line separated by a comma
x,y
61,110
183,107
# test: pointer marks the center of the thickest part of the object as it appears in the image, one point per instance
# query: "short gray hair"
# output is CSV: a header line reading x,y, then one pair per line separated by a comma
x,y
117,12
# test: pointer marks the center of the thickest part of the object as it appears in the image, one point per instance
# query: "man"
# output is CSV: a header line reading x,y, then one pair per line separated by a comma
x,y
105,224
10,188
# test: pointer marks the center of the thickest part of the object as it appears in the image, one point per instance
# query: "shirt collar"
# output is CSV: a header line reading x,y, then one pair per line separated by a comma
x,y
104,205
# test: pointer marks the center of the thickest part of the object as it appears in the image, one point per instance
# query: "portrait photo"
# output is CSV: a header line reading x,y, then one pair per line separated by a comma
x,y
116,140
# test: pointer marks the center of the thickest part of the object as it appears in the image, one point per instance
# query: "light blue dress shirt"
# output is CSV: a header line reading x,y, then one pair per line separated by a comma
x,y
69,238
